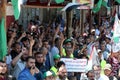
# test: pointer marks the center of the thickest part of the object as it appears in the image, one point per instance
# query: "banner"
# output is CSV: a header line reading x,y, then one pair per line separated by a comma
x,y
75,65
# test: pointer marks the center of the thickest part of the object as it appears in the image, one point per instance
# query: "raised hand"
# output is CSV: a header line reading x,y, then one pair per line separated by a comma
x,y
36,70
32,41
23,50
23,34
32,70
62,37
13,34
57,30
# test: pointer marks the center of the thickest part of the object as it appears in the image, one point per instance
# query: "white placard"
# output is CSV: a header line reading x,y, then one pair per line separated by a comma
x,y
75,65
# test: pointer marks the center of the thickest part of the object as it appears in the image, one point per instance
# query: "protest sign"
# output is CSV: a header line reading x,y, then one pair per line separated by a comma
x,y
75,65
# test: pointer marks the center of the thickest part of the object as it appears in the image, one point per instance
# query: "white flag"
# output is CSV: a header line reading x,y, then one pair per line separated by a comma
x,y
116,30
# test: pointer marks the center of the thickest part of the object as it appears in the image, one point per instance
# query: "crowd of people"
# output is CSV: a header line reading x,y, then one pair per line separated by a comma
x,y
35,53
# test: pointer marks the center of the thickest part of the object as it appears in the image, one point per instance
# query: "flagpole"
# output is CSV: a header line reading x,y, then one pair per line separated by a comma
x,y
69,23
81,23
3,30
90,22
4,12
4,15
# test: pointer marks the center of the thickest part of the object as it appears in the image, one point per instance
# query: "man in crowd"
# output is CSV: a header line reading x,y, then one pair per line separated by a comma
x,y
49,75
107,71
56,60
29,71
18,63
40,62
91,75
3,71
62,73
98,75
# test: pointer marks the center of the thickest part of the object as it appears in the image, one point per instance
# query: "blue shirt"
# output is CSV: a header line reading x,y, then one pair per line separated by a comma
x,y
47,62
26,75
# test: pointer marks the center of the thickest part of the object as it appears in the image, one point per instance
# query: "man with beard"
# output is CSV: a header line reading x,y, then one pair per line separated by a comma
x,y
29,72
25,42
62,71
90,74
18,63
16,49
40,60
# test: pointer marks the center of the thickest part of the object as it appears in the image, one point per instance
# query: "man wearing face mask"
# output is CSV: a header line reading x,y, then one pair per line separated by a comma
x,y
28,73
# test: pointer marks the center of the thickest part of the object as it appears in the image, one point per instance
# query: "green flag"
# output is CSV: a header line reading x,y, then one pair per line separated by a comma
x,y
16,7
3,42
118,1
97,7
105,4
59,1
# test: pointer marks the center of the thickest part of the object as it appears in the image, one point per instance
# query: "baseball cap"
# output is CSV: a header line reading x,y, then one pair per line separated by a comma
x,y
108,67
93,30
48,73
108,37
67,40
57,56
98,50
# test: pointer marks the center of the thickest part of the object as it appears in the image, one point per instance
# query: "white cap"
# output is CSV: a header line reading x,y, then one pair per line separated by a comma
x,y
48,73
108,37
108,67
33,26
98,50
92,30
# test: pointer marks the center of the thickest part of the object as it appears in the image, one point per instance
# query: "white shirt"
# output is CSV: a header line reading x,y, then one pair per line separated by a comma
x,y
103,77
